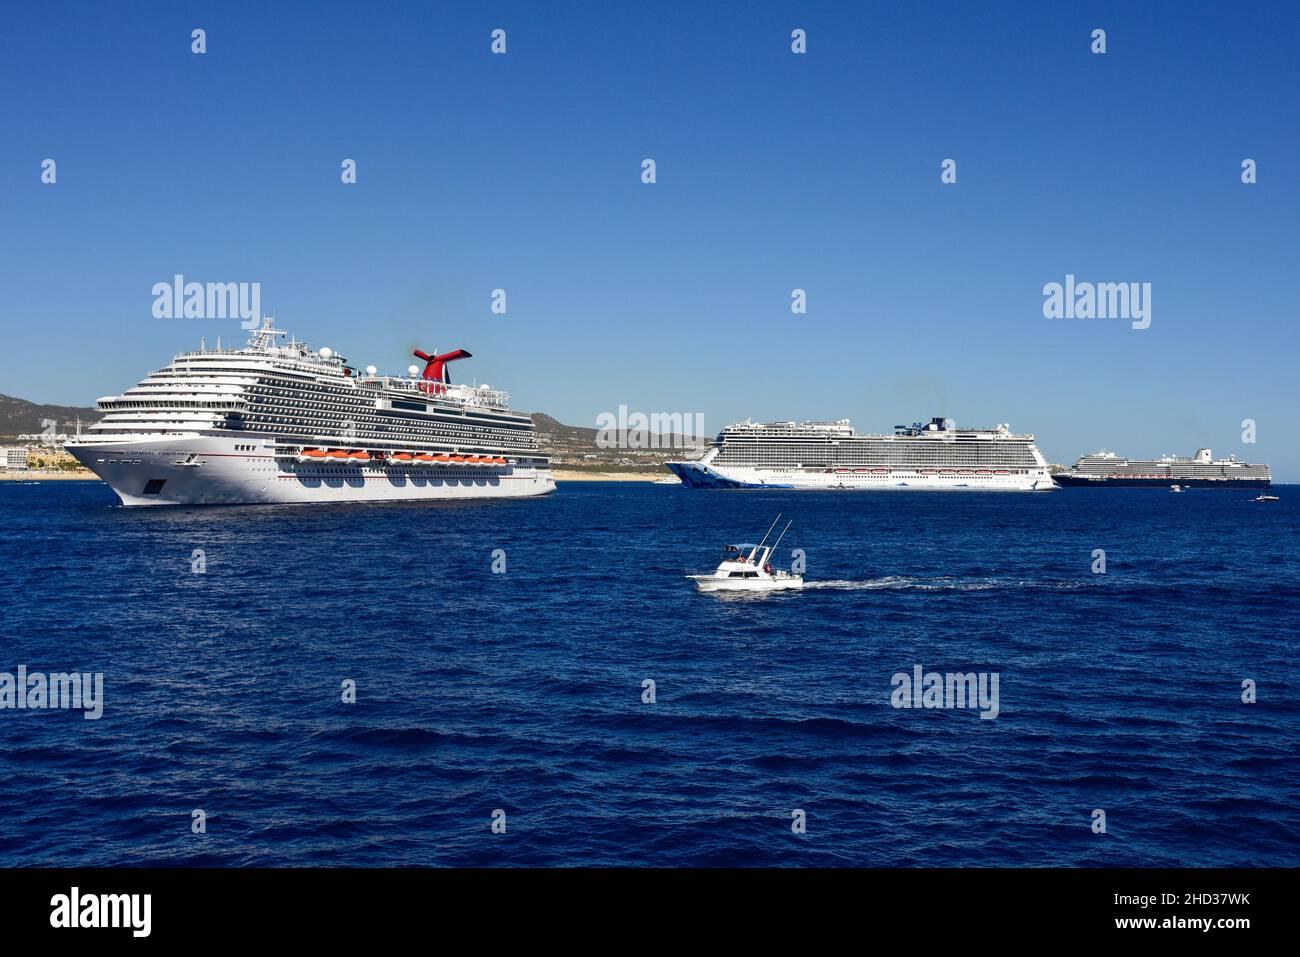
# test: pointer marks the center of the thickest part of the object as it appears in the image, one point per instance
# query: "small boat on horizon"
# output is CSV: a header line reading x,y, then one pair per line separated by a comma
x,y
1265,498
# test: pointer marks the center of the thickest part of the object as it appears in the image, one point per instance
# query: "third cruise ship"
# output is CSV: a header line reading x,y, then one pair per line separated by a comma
x,y
830,455
1202,470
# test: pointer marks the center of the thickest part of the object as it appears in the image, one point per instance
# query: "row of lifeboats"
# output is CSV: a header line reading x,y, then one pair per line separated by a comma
x,y
932,471
362,457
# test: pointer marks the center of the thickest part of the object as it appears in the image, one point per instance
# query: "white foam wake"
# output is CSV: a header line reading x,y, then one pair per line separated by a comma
x,y
943,583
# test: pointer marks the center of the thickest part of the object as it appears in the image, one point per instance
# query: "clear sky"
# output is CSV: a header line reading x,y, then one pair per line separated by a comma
x,y
775,171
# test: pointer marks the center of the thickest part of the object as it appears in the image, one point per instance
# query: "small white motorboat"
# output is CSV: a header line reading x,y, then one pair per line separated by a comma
x,y
1261,497
747,567
1176,488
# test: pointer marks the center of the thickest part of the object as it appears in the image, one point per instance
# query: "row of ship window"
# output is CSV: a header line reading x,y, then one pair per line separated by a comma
x,y
464,438
373,420
453,436
154,403
776,461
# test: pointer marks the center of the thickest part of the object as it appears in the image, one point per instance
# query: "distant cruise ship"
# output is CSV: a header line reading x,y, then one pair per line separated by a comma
x,y
830,455
277,422
1200,471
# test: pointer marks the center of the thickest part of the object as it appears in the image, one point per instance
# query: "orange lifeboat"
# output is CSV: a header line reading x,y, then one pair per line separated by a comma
x,y
500,461
403,458
337,455
458,460
312,455
442,458
423,458
360,456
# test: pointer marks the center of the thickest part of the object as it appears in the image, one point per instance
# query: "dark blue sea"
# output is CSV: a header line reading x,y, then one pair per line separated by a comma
x,y
522,691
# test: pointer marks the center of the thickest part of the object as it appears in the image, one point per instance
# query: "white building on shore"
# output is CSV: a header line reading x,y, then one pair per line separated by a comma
x,y
15,458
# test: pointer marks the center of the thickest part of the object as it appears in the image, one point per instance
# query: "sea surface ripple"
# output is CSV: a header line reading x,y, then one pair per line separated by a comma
x,y
522,691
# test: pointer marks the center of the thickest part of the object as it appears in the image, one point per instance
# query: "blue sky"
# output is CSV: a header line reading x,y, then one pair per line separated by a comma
x,y
775,172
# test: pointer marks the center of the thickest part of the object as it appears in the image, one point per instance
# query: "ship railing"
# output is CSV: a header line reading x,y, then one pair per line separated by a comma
x,y
149,405
423,388
294,446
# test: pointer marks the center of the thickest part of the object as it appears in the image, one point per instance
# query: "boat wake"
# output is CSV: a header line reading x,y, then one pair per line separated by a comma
x,y
942,583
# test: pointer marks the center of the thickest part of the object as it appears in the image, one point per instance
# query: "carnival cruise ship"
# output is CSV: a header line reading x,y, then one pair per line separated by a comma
x,y
1202,470
831,455
277,422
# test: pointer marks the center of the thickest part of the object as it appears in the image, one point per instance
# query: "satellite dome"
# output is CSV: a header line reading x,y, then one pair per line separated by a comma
x,y
413,371
326,352
371,370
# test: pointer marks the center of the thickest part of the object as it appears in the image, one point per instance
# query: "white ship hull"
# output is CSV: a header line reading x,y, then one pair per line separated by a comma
x,y
702,475
714,583
221,470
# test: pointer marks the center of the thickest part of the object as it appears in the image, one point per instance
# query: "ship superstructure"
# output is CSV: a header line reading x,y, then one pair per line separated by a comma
x,y
1202,470
278,422
830,455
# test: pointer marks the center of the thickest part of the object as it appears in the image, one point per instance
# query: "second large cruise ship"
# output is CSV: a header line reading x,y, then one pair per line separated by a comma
x,y
277,422
831,455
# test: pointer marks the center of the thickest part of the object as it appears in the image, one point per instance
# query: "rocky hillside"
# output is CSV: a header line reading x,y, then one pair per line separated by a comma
x,y
20,417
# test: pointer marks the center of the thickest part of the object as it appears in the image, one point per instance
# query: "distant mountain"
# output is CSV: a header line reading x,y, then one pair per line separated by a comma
x,y
575,445
578,435
20,417
571,434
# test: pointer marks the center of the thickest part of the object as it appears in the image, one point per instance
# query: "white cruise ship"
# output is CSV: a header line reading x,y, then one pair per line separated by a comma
x,y
1202,470
830,455
277,422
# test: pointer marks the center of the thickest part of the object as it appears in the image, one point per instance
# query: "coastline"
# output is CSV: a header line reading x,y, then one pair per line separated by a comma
x,y
76,475
566,475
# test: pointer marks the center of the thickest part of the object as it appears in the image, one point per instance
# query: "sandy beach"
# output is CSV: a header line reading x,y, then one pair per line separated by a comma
x,y
565,475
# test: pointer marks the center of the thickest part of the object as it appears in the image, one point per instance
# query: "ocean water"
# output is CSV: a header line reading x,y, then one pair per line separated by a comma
x,y
522,691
